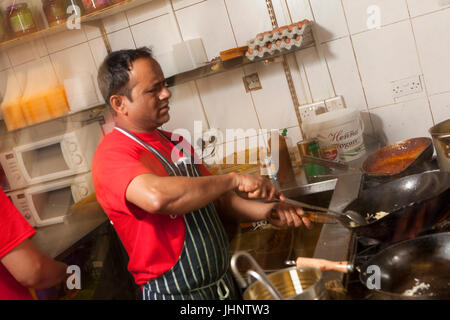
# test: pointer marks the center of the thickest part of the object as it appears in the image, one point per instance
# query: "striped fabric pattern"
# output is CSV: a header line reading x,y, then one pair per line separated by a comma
x,y
202,270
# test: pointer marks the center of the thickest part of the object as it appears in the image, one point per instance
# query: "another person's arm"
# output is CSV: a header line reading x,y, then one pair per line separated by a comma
x,y
33,269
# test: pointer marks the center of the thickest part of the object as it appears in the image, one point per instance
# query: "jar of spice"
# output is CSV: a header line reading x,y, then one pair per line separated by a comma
x,y
20,19
4,28
94,5
55,11
74,7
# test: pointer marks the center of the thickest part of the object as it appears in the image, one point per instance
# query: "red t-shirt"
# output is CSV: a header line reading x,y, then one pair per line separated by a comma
x,y
14,229
153,241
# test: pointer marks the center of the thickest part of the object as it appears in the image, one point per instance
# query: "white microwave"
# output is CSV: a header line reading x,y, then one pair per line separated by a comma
x,y
53,158
49,203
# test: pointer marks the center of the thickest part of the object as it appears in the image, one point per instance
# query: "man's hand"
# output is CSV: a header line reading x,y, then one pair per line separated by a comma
x,y
283,215
257,187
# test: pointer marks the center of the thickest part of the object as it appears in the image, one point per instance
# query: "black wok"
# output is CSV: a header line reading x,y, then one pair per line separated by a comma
x,y
414,203
413,269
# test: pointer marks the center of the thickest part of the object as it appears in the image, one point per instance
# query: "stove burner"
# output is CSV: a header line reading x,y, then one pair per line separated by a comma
x,y
366,248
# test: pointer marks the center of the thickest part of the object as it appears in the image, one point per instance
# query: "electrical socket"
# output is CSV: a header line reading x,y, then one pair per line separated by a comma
x,y
406,87
310,111
335,103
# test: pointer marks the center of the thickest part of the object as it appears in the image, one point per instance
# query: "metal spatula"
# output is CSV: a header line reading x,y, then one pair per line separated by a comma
x,y
345,218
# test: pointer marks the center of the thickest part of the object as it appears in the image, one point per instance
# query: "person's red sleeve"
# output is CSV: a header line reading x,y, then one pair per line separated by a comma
x,y
14,228
204,171
113,170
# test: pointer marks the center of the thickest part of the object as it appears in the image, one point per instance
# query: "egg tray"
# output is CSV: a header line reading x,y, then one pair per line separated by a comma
x,y
284,38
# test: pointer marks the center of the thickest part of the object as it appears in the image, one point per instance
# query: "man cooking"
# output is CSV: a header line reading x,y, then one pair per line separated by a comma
x,y
167,210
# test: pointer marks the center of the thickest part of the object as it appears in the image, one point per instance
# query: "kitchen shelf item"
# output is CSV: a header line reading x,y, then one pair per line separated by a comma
x,y
283,38
5,33
233,53
55,11
91,17
20,19
94,5
218,66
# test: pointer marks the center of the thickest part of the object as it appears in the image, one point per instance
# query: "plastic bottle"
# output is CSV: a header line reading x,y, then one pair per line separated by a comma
x,y
285,171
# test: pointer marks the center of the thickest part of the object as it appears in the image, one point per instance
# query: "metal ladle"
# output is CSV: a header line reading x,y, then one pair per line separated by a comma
x,y
258,274
349,218
345,218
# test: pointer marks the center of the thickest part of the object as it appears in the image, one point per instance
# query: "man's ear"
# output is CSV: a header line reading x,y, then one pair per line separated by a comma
x,y
118,104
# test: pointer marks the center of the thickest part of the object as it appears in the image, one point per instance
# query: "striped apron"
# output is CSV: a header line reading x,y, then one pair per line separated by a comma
x,y
202,270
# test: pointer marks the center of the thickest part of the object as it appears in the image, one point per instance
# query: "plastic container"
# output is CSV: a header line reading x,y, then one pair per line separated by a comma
x,y
80,92
55,11
342,129
21,19
189,54
13,115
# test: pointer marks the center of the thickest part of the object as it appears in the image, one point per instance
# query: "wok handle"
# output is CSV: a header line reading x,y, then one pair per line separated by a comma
x,y
315,217
324,265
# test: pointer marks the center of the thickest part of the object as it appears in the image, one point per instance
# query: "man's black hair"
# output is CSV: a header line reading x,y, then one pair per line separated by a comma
x,y
114,73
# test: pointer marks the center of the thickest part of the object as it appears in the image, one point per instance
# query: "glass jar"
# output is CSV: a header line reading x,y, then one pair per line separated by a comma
x,y
4,28
20,19
55,12
94,5
76,5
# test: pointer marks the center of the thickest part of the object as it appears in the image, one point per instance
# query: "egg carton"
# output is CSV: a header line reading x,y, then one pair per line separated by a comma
x,y
286,31
292,38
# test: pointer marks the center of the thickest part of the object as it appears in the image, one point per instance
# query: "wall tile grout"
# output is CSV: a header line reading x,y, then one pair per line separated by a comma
x,y
243,68
420,64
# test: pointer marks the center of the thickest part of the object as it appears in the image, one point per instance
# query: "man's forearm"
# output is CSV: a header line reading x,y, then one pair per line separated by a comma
x,y
178,195
235,208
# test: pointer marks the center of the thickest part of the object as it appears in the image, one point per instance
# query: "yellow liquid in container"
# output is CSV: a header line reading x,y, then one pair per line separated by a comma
x,y
35,108
13,115
57,101
45,105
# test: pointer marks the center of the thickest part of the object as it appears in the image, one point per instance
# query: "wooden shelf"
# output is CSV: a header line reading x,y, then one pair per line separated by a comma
x,y
91,17
95,109
220,66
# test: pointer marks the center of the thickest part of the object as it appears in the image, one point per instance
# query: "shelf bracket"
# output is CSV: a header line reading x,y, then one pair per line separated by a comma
x,y
99,24
287,70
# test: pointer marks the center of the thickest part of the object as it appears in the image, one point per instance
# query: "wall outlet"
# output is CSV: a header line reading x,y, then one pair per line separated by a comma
x,y
310,111
335,103
406,87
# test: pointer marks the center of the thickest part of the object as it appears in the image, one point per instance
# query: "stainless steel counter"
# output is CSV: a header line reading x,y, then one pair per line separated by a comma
x,y
55,239
335,241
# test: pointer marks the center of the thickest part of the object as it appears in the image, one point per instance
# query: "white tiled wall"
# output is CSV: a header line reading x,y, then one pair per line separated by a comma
x,y
349,60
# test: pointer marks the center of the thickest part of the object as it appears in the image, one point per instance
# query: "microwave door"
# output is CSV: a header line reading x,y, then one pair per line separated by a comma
x,y
43,161
51,204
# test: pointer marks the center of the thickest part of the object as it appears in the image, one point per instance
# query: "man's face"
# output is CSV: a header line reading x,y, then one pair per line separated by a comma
x,y
149,108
